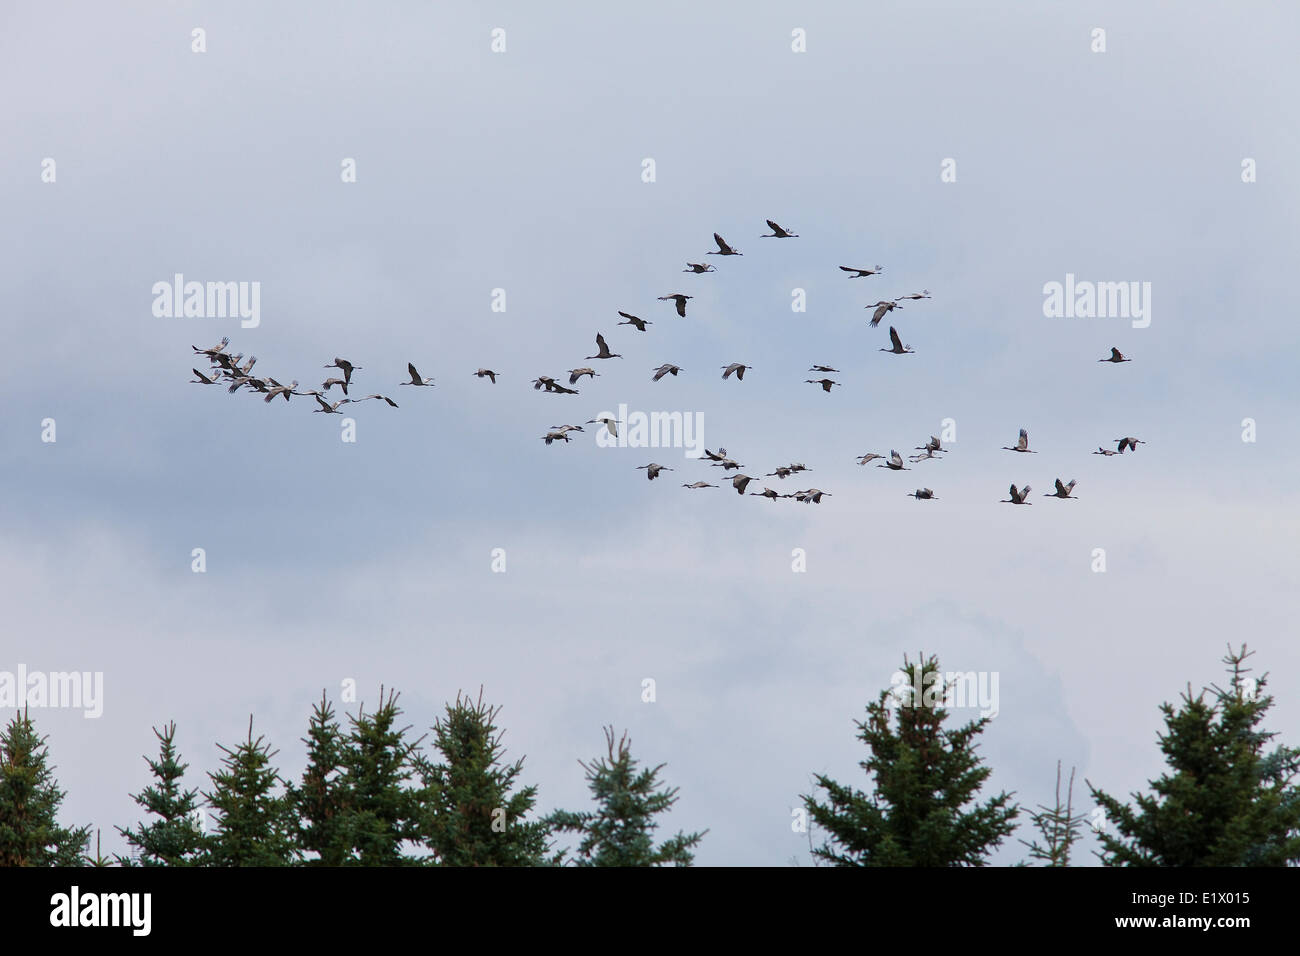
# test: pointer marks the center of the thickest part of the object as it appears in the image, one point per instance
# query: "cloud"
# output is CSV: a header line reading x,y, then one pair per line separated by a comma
x,y
521,171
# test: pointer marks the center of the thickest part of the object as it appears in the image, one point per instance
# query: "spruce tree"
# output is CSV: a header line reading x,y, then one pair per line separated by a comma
x,y
1058,826
620,831
922,810
379,764
469,816
30,834
357,805
255,827
97,859
321,805
174,838
1225,801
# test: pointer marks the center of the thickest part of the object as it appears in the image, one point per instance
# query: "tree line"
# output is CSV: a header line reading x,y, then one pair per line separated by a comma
x,y
374,795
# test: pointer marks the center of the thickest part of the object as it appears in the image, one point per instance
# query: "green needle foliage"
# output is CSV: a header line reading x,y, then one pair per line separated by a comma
x,y
97,859
1058,826
470,816
322,803
174,838
383,808
30,798
1225,801
921,811
620,832
256,825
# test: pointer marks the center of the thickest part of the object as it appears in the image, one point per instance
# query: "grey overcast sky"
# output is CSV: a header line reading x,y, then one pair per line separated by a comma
x,y
522,170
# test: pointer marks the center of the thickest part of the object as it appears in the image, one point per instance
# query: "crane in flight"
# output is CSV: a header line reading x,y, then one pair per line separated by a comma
x,y
551,385
723,248
740,483
1022,445
415,377
635,321
329,409
611,425
1018,497
897,344
1062,491
677,298
882,307
602,350
347,367
331,382
736,367
278,389
825,383
214,350
812,495
778,233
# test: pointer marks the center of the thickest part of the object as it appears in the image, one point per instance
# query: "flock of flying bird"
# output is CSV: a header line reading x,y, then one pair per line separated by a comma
x,y
227,370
